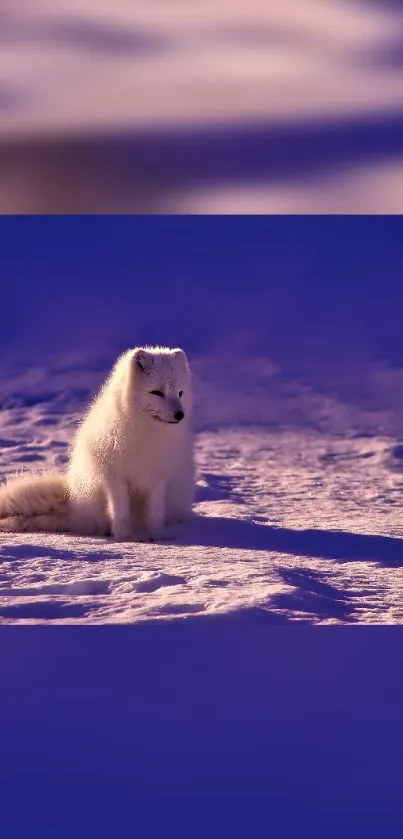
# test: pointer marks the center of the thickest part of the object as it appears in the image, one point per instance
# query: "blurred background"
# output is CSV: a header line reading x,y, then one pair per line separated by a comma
x,y
286,319
216,106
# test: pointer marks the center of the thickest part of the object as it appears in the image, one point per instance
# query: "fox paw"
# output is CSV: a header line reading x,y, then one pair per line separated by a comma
x,y
151,536
122,530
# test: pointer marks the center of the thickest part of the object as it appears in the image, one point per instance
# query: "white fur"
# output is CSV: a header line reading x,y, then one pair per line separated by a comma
x,y
131,469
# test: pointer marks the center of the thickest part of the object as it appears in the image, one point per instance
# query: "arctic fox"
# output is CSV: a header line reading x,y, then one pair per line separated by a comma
x,y
131,468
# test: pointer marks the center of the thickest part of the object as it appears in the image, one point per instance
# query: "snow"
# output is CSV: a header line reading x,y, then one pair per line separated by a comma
x,y
299,457
288,526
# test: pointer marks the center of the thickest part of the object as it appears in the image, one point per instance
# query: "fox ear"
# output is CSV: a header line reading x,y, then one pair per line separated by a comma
x,y
143,360
181,356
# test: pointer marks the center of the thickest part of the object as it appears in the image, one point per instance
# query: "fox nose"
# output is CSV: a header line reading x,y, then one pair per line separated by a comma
x,y
179,416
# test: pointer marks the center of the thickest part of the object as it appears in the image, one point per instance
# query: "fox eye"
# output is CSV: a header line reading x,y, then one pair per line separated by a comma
x,y
157,392
181,393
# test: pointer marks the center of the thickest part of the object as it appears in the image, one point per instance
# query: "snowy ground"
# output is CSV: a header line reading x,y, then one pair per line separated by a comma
x,y
290,525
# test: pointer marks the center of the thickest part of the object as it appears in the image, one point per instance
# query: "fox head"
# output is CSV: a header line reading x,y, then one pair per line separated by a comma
x,y
161,384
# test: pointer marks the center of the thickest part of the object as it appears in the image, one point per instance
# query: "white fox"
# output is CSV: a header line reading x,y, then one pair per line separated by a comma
x,y
131,469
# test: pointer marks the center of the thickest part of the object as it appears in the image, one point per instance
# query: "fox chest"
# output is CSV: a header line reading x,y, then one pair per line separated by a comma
x,y
150,463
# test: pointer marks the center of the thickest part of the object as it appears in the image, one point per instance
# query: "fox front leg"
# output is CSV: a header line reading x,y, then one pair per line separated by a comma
x,y
118,498
155,513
